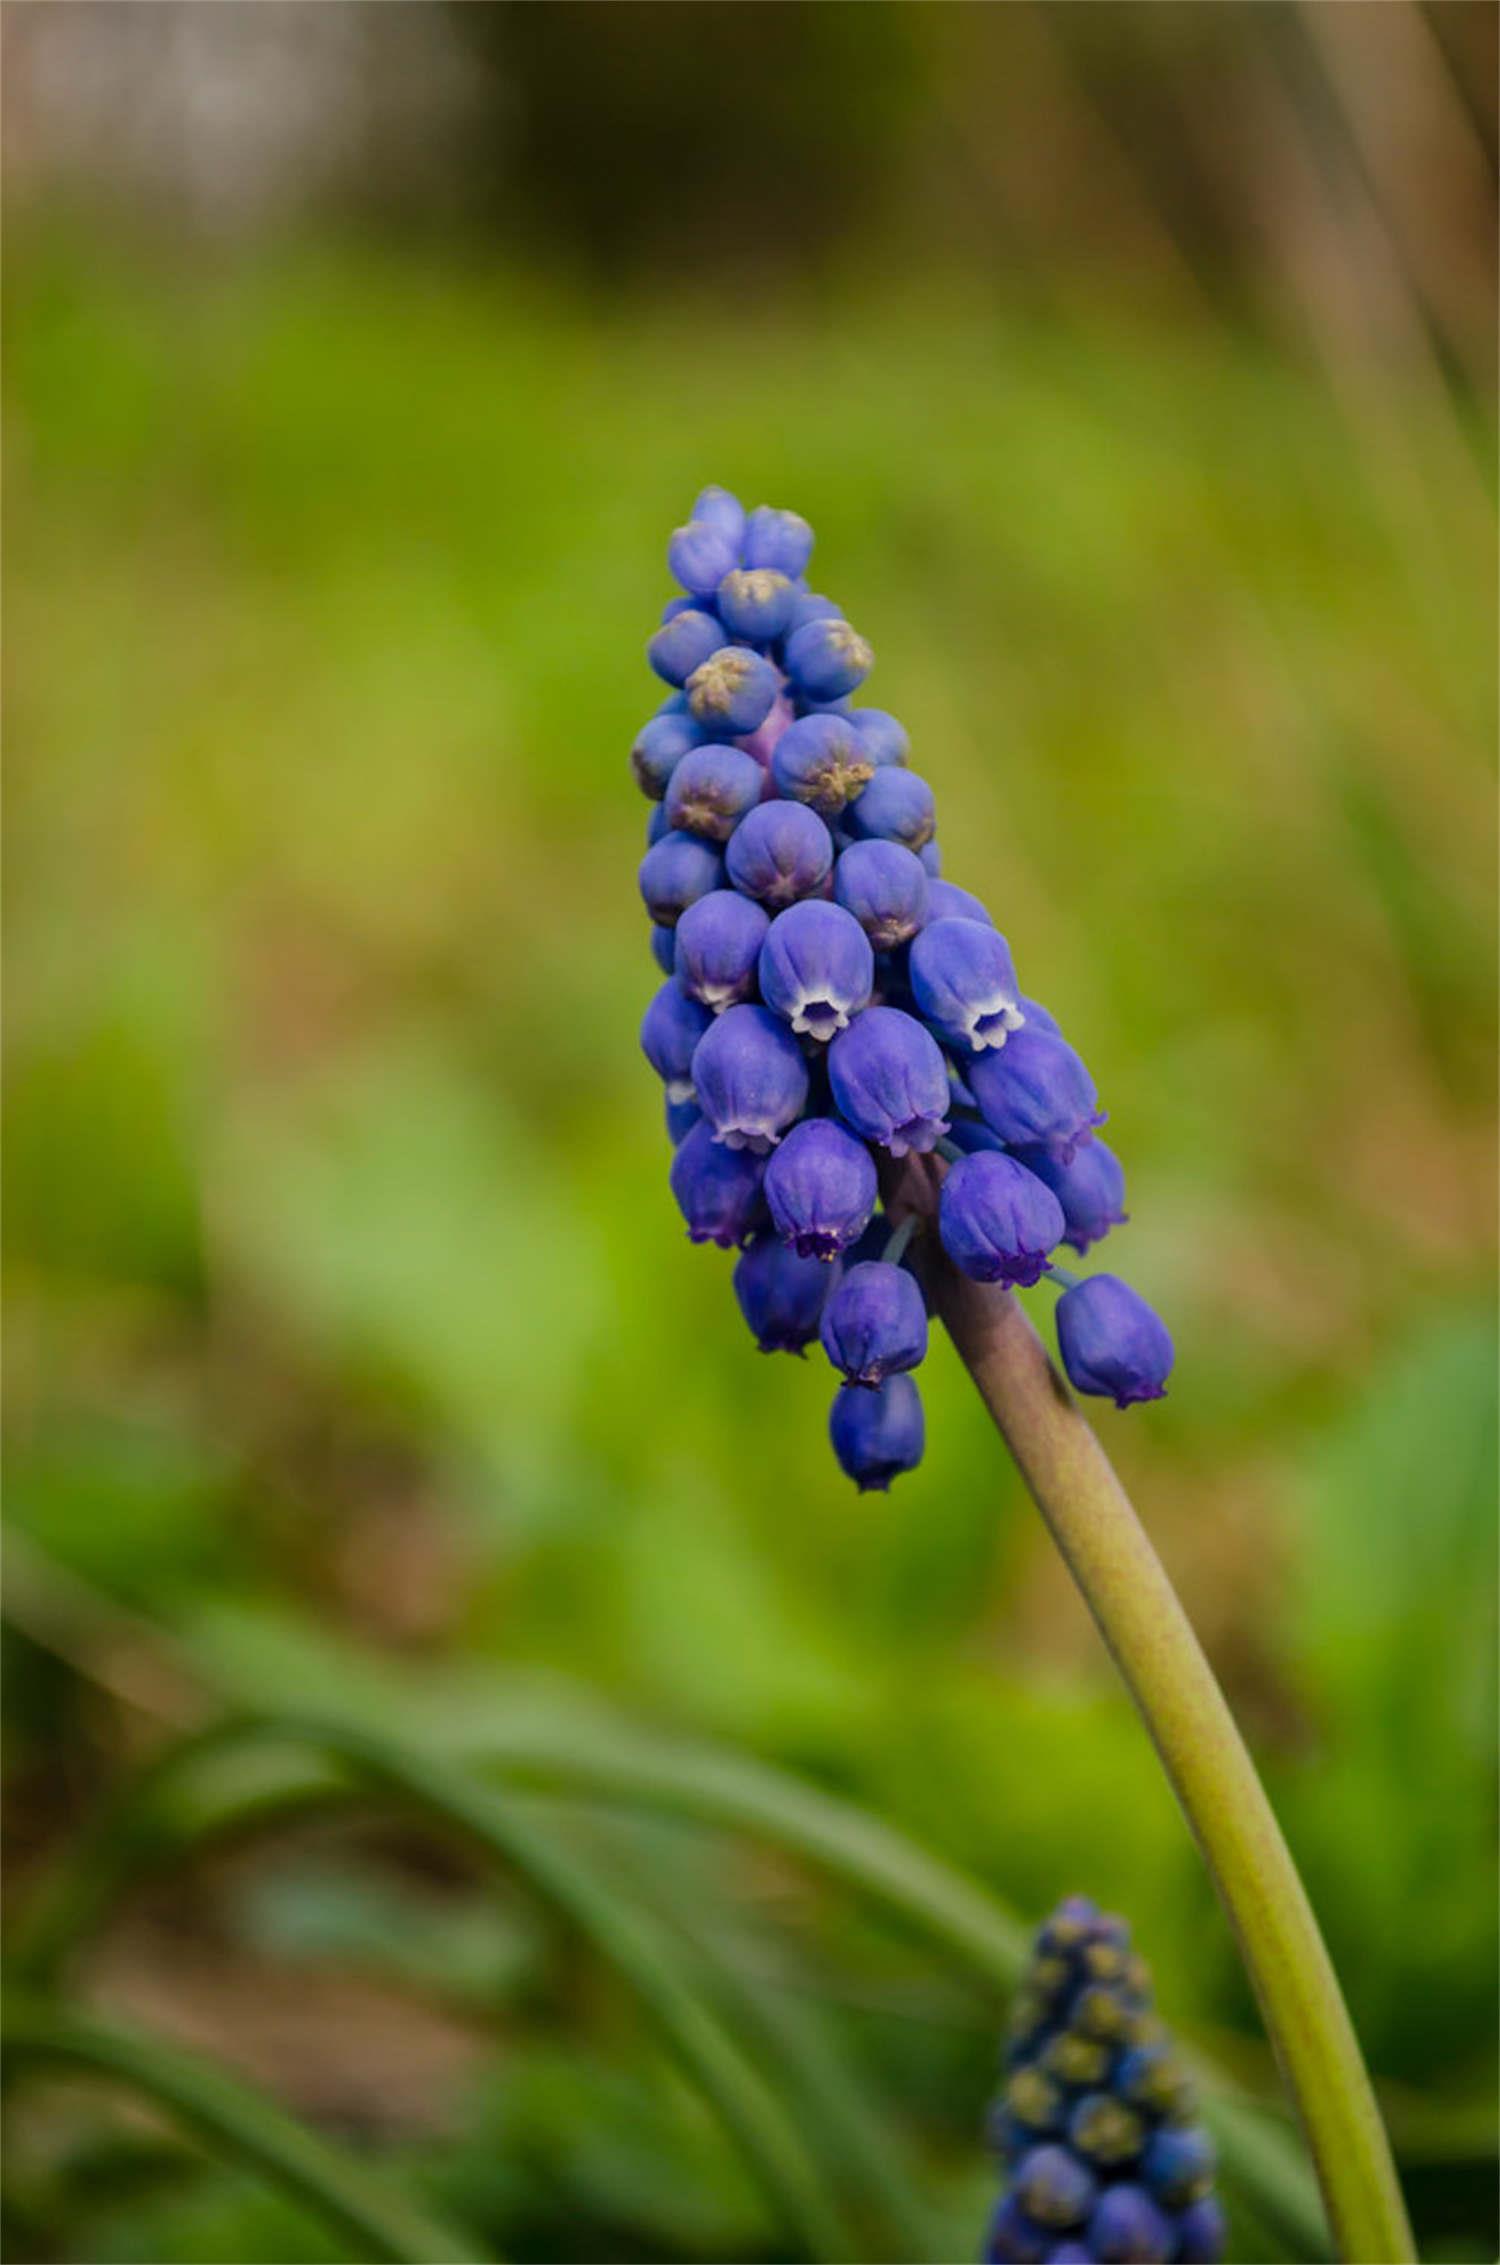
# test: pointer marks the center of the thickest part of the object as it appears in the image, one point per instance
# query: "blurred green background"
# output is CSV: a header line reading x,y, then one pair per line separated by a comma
x,y
1135,366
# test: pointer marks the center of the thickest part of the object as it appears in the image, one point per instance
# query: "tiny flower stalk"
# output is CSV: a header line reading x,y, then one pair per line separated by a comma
x,y
839,1021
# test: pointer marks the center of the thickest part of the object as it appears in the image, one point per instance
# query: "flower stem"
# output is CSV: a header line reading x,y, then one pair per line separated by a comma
x,y
1125,1587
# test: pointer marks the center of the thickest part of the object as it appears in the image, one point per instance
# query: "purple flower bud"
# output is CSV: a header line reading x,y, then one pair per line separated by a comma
x,y
750,1078
975,1139
664,948
675,872
1112,1343
1179,2164
1091,1189
683,642
718,1189
827,659
816,968
670,1030
1128,2229
779,852
810,605
675,606
947,901
681,1118
780,539
877,1435
1039,1017
883,885
718,942
997,1221
722,510
657,824
932,860
762,742
700,555
821,1187
962,975
1035,1093
660,746
896,806
821,760
1201,2233
889,1081
755,603
711,789
1014,2239
733,691
875,1323
1054,2188
781,1294
884,738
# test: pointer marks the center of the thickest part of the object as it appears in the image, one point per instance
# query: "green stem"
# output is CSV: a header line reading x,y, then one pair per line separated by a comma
x,y
1125,1587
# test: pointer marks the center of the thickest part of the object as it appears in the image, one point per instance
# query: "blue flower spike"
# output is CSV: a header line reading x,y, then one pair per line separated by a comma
x,y
1096,2124
834,1007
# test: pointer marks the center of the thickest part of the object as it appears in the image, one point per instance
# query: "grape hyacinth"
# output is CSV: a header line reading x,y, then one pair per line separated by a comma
x,y
1096,2120
833,1007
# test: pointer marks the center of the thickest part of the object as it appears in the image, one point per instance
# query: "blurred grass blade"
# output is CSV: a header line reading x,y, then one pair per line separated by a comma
x,y
168,1803
358,2202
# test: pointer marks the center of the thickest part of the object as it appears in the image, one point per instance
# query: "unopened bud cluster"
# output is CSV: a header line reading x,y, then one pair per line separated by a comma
x,y
829,998
1096,2124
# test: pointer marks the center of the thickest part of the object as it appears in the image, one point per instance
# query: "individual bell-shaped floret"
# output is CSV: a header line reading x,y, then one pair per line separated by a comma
x,y
875,1323
779,853
681,1116
750,1078
1054,2188
895,806
720,509
779,539
1015,2239
670,1030
732,691
961,974
712,789
700,555
883,885
684,642
755,603
660,746
1035,1092
877,1434
822,761
827,659
811,605
947,901
781,1295
1091,1189
885,739
816,968
718,1189
664,948
675,872
1111,1342
932,859
889,1081
997,1221
1127,2228
1178,2165
1201,2233
821,1188
717,945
